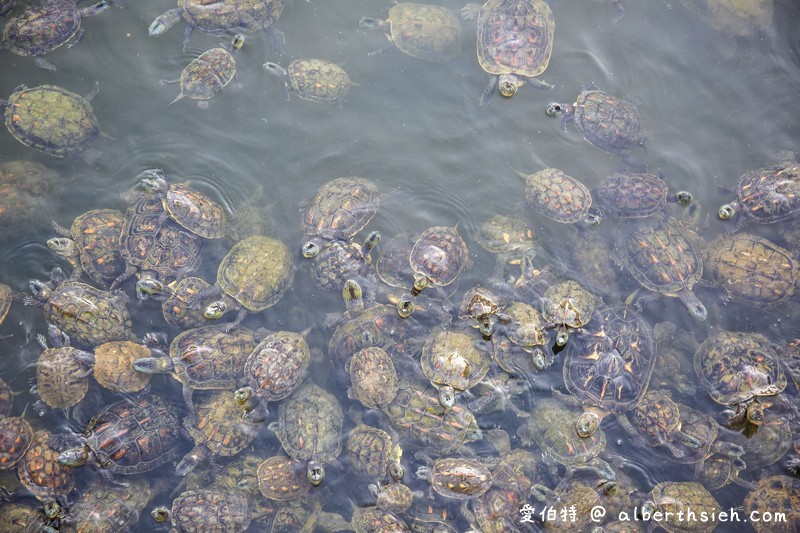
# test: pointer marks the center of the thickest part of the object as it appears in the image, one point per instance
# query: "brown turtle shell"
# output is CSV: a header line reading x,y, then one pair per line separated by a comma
x,y
427,32
207,74
770,194
96,233
460,478
60,379
440,254
771,496
211,510
370,451
277,365
342,208
310,425
113,366
282,479
556,195
608,122
16,436
209,358
373,377
40,472
452,358
630,195
218,424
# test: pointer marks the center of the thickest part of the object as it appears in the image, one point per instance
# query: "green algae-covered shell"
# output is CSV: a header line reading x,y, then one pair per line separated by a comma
x,y
556,195
208,74
515,37
608,122
673,498
428,32
310,425
96,233
89,316
342,208
317,80
257,272
370,451
452,358
277,365
195,511
51,119
195,211
40,29
439,254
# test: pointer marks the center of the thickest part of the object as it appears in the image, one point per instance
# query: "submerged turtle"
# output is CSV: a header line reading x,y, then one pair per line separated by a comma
x,y
775,495
51,119
372,453
206,509
315,80
428,32
733,19
282,479
568,305
223,17
672,498
45,27
207,74
40,470
509,237
105,506
6,296
515,39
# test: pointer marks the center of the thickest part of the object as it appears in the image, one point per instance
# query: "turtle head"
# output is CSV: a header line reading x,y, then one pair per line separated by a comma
x,y
74,457
237,42
275,69
153,365
154,181
353,296
587,424
316,473
447,396
405,306
63,246
161,514
508,84
396,471
215,310
755,413
310,249
555,109
147,287
727,211
370,243
562,337
420,282
684,197
369,23
40,290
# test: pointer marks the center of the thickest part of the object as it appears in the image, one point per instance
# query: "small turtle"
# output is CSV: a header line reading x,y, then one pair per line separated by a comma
x,y
256,273
341,208
373,377
43,28
635,195
456,477
533,282
663,260
673,498
719,470
372,453
765,195
774,496
24,204
737,369
428,32
130,436
335,261
751,269
89,316
207,74
92,245
558,196
61,380
105,506
480,307
315,80
608,122
217,430
508,237
223,17
282,479
515,39
309,428
205,358
201,510
438,257
394,497
16,436
51,120
453,361
373,520
40,471
523,348
702,427
569,305
273,370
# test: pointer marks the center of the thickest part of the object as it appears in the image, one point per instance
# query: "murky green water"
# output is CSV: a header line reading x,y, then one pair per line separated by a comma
x,y
711,114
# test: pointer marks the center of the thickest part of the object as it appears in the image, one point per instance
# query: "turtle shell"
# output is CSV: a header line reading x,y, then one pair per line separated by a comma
x,y
609,123
282,479
51,119
394,497
629,195
208,74
452,358
256,272
503,234
610,367
515,37
208,358
6,296
210,509
751,269
370,451
195,211
427,32
556,195
113,366
342,208
737,367
178,308
135,435
568,303
277,365
231,15
16,436
459,478
338,262
770,194
96,233
372,519
43,28
105,506
655,417
673,498
310,425
218,424
373,377
774,496
378,325
89,316
439,254
60,379
40,472
317,80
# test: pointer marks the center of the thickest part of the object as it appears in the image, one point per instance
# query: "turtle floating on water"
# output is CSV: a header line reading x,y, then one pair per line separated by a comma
x,y
315,80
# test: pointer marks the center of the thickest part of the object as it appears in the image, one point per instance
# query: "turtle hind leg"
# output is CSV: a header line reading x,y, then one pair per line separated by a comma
x,y
490,89
187,33
41,62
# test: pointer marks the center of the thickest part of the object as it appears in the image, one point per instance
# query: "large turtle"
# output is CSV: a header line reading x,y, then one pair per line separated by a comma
x,y
429,32
222,17
207,74
515,39
314,80
45,27
51,119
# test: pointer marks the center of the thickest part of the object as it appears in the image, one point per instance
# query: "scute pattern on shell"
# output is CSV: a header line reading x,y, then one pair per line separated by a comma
x,y
16,436
310,425
231,15
610,123
772,193
556,195
452,358
96,233
568,303
628,195
219,426
673,497
208,74
427,32
195,211
40,472
373,377
60,379
378,325
440,254
40,29
369,450
113,366
342,208
208,358
460,478
51,119
317,80
89,316
210,510
282,479
277,365
774,494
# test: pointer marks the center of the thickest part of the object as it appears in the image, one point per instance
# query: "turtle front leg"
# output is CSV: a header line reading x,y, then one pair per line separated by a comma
x,y
41,62
238,320
490,89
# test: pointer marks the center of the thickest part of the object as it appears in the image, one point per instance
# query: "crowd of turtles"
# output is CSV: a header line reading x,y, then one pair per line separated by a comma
x,y
393,402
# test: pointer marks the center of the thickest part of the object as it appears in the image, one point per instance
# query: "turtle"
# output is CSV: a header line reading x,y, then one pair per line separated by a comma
x,y
515,40
394,497
373,377
765,195
373,454
16,436
423,31
572,494
112,364
453,361
556,195
769,444
282,479
309,428
129,436
592,262
635,195
205,509
51,119
206,75
733,19
608,122
314,80
178,299
337,261
510,238
533,282
374,520
673,498
773,496
662,259
737,369
88,316
702,427
222,17
41,473
437,258
104,506
751,269
23,204
718,470
481,308
61,380
154,248
6,297
460,478
45,27
217,430
91,245
256,273
274,369
523,347
392,265
206,358
341,208
19,516
569,305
